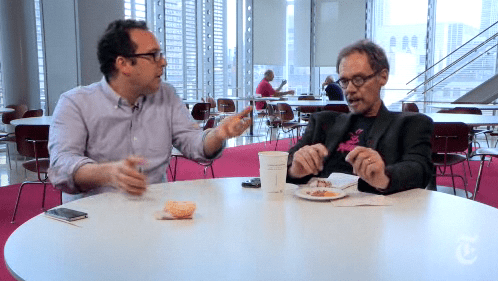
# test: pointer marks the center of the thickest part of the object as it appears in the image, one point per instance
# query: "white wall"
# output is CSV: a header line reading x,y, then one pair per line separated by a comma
x,y
93,18
72,29
269,32
61,64
338,24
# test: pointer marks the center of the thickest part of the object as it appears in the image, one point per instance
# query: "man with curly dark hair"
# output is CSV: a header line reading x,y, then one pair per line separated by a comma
x,y
117,134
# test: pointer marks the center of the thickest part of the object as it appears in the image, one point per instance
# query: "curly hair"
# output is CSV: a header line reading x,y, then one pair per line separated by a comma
x,y
376,56
116,42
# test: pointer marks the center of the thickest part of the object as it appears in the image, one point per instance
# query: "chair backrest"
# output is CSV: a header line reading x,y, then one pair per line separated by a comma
x,y
33,113
29,137
226,105
209,123
450,137
306,98
308,109
285,112
337,107
200,111
409,107
19,110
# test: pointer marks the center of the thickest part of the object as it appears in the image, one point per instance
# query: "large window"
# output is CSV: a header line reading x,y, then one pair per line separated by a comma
x,y
454,33
400,27
41,60
135,9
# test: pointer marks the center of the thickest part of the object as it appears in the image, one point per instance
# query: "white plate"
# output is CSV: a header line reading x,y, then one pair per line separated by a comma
x,y
303,193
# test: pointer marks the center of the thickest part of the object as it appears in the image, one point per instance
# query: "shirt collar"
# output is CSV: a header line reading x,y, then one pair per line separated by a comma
x,y
117,100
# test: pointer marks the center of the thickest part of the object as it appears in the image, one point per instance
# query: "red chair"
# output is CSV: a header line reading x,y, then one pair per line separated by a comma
x,y
175,154
201,112
337,107
226,107
409,107
449,140
32,142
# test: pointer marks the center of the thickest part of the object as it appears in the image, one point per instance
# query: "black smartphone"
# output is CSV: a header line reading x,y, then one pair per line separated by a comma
x,y
253,183
66,214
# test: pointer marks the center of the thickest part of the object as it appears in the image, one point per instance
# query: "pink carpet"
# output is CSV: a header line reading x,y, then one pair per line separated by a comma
x,y
238,161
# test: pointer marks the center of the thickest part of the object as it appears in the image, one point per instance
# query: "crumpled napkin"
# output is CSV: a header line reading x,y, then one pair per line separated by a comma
x,y
176,210
363,199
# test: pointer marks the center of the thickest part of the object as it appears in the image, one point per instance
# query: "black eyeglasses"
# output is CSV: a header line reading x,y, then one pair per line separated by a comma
x,y
358,81
156,56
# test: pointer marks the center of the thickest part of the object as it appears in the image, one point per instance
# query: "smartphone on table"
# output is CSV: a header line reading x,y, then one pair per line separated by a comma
x,y
66,214
252,183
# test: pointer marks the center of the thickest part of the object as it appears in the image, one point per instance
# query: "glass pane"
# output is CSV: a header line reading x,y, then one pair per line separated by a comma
x,y
231,54
455,32
400,28
296,69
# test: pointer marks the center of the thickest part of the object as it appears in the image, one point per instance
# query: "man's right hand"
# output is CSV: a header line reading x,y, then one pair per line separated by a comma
x,y
121,174
308,160
127,177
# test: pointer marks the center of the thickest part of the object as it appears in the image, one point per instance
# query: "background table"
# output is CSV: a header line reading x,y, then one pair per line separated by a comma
x,y
236,235
43,120
464,105
295,103
469,119
5,110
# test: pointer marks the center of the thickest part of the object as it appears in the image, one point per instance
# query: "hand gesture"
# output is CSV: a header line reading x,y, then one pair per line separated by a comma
x,y
234,126
368,165
283,83
125,175
308,160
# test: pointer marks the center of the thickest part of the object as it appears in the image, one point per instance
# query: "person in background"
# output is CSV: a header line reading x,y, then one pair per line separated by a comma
x,y
266,90
117,134
333,91
389,151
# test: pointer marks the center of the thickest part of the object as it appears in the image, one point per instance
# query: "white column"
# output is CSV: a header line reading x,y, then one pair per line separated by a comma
x,y
19,53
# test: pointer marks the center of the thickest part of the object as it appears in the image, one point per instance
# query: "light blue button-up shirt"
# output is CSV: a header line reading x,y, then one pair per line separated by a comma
x,y
92,124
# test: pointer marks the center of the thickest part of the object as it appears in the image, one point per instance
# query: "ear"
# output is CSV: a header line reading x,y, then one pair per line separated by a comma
x,y
123,65
384,76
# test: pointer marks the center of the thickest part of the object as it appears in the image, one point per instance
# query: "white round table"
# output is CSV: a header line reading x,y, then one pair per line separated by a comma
x,y
43,120
237,235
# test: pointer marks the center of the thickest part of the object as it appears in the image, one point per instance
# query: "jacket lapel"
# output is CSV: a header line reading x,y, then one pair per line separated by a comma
x,y
379,126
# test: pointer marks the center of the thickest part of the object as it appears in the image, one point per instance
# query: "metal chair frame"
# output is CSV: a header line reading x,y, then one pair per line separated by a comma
x,y
448,140
32,142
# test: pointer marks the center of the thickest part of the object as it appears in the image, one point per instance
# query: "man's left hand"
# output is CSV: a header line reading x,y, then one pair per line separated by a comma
x,y
368,165
234,126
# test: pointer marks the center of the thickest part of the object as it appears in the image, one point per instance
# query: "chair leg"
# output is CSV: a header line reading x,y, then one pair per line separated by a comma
x,y
212,171
17,202
174,173
453,180
478,181
8,155
44,192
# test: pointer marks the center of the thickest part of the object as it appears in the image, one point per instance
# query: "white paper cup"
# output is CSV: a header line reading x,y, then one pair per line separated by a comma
x,y
273,171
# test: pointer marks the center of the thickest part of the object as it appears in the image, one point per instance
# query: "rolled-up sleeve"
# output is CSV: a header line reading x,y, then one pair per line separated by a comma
x,y
67,142
185,133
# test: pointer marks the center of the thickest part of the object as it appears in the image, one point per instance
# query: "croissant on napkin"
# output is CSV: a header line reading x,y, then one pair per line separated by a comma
x,y
176,210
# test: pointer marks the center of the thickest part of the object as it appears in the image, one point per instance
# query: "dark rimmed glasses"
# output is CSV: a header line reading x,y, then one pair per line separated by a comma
x,y
156,56
357,81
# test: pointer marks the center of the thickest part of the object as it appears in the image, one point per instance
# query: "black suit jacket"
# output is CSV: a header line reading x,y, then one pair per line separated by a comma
x,y
403,139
